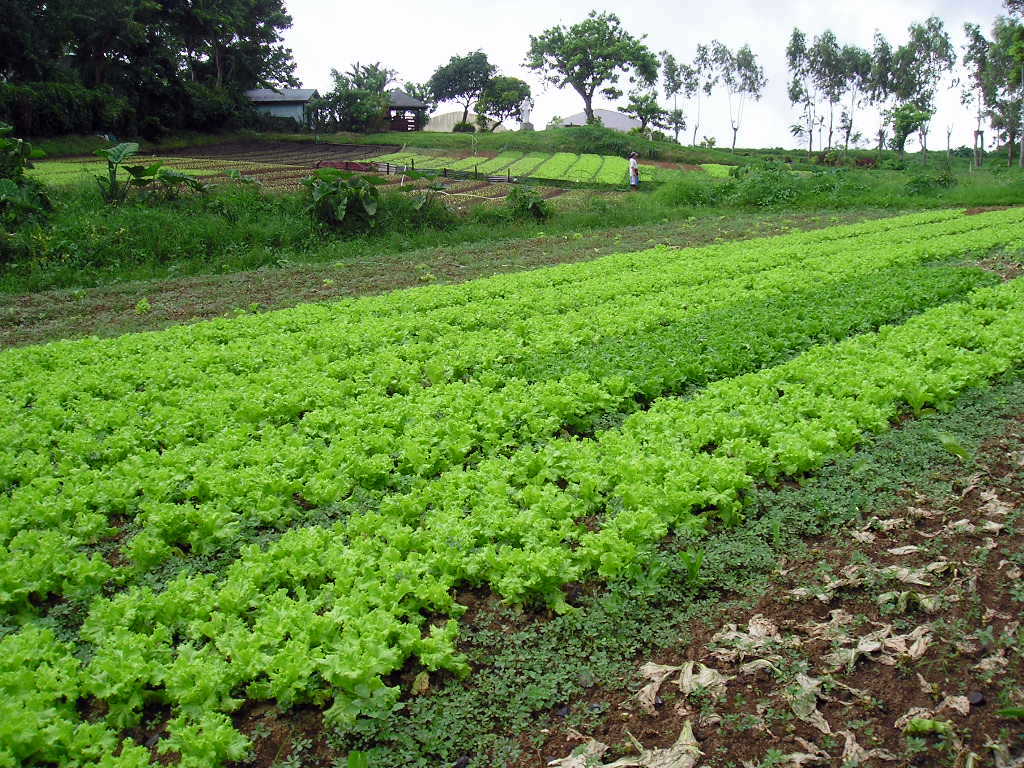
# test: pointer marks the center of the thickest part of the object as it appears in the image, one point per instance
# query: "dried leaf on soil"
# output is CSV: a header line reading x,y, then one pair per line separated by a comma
x,y
683,754
803,700
854,754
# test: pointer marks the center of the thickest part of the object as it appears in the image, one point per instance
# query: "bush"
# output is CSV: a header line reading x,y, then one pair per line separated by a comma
x,y
21,198
834,187
689,191
405,211
525,202
464,128
927,180
762,185
342,201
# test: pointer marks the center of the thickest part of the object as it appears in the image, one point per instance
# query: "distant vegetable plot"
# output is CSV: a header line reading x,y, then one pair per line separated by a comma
x,y
277,165
558,166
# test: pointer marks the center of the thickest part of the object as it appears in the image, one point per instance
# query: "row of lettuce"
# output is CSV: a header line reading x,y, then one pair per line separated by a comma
x,y
200,434
475,481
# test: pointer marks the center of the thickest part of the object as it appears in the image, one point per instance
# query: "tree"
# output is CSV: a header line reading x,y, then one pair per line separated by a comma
x,y
32,39
803,87
462,80
676,78
857,72
675,120
829,71
358,101
995,80
502,99
643,105
742,77
880,81
591,56
702,79
920,64
905,119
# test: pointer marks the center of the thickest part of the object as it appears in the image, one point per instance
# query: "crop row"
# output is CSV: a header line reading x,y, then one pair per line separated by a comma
x,y
323,613
199,493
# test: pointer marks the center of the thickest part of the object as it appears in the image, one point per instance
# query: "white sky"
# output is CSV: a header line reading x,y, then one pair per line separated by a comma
x,y
416,37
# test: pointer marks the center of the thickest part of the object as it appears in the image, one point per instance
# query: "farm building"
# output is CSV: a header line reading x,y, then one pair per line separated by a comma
x,y
404,110
286,102
609,119
444,123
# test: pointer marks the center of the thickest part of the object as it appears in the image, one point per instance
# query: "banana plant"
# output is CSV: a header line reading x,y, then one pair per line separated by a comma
x,y
340,199
112,190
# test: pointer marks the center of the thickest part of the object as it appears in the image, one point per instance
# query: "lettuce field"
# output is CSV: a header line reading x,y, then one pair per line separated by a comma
x,y
562,166
282,507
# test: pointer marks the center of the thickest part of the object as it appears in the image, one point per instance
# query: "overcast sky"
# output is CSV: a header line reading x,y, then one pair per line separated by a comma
x,y
416,37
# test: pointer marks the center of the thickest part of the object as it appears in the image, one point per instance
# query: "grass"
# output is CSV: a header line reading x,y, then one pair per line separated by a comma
x,y
85,244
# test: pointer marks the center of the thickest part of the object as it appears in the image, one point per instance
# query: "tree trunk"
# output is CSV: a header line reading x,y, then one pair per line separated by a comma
x,y
218,61
831,117
696,123
588,108
735,130
1010,146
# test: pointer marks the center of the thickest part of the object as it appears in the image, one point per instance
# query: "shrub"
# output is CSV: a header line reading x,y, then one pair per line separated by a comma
x,y
464,128
865,162
342,201
762,185
21,198
927,180
525,202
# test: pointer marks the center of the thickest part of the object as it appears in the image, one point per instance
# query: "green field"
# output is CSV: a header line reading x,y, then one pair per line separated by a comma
x,y
283,507
559,166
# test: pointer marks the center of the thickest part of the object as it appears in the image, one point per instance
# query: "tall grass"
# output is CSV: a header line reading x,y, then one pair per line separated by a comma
x,y
236,228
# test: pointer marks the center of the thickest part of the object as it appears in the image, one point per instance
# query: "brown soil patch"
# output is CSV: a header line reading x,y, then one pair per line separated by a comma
x,y
985,209
971,642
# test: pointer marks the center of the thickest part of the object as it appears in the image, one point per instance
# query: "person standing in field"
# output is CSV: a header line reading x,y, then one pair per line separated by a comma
x,y
634,172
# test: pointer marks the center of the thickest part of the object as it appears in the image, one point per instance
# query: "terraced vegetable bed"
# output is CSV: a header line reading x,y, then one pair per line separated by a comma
x,y
282,507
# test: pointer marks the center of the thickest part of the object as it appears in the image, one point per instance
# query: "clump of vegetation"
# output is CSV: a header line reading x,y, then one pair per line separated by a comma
x,y
155,180
930,180
21,198
763,185
343,201
525,202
